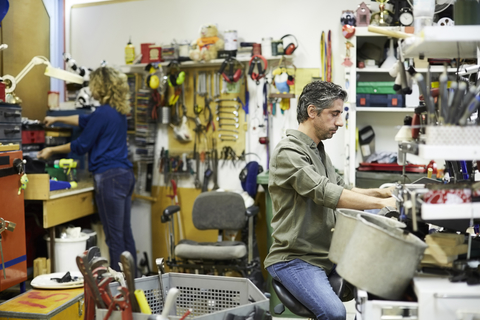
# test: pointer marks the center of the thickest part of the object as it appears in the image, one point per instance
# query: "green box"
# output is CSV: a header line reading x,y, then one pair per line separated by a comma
x,y
377,87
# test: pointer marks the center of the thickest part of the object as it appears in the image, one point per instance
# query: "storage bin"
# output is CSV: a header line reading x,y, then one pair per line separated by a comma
x,y
380,100
377,87
67,250
208,297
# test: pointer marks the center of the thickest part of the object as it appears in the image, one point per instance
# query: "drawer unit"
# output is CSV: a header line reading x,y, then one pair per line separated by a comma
x,y
33,136
10,113
10,131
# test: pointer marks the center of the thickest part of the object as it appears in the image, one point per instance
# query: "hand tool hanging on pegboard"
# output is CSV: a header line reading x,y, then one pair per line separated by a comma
x,y
329,56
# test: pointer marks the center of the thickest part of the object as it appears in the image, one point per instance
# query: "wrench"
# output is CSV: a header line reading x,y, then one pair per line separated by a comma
x,y
230,130
161,270
228,124
226,118
235,106
235,113
228,135
220,100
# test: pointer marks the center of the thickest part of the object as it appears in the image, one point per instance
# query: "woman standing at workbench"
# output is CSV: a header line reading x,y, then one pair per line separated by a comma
x,y
104,137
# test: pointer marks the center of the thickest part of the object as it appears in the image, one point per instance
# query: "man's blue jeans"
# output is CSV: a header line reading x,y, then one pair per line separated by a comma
x,y
309,284
113,195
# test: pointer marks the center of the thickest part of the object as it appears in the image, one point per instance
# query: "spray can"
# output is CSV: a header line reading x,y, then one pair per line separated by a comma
x,y
129,52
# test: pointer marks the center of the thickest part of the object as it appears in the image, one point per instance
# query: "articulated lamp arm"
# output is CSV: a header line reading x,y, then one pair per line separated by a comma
x,y
49,71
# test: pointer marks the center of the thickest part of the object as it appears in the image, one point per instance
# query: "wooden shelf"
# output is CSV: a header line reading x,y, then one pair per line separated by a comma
x,y
140,67
363,31
282,95
434,69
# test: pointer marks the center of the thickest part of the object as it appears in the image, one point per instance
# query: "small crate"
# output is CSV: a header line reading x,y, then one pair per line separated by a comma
x,y
380,100
209,297
377,87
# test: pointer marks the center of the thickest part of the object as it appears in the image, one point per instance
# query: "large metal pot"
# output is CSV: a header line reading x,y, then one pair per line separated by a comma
x,y
380,259
346,222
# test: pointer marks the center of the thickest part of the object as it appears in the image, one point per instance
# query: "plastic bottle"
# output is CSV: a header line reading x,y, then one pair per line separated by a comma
x,y
129,52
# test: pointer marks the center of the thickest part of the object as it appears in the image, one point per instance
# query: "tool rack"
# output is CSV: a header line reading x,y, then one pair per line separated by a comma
x,y
208,297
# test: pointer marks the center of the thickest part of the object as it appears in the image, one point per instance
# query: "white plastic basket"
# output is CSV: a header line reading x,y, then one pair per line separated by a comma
x,y
209,297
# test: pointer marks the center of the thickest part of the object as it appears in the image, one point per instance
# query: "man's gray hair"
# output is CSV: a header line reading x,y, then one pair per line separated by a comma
x,y
321,94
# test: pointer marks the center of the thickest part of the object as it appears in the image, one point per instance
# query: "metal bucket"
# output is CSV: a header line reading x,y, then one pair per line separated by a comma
x,y
380,259
346,222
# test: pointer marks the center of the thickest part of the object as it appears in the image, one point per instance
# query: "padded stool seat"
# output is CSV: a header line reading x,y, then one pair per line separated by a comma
x,y
290,301
225,250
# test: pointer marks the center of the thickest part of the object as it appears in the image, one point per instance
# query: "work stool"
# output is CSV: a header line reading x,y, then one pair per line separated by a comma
x,y
295,306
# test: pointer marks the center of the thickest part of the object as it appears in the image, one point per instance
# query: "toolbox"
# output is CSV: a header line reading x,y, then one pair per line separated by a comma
x,y
45,305
207,297
380,100
376,87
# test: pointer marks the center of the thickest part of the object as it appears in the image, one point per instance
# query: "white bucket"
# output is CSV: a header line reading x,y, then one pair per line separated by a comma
x,y
66,252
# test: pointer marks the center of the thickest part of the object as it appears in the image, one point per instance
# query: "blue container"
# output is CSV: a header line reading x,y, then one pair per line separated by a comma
x,y
380,100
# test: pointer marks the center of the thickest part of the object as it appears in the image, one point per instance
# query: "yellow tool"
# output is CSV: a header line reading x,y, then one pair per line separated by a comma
x,y
67,165
142,301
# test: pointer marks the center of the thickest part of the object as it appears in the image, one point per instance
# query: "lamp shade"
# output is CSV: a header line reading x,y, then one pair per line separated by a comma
x,y
63,75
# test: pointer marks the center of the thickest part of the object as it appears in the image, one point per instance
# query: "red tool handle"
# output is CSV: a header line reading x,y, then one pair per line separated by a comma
x,y
174,187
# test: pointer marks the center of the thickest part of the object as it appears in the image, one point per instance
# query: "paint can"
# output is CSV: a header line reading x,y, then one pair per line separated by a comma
x,y
231,40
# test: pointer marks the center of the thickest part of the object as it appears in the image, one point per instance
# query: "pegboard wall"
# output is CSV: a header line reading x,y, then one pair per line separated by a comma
x,y
228,126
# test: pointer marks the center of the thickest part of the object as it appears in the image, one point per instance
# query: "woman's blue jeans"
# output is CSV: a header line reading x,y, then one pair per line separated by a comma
x,y
113,195
309,285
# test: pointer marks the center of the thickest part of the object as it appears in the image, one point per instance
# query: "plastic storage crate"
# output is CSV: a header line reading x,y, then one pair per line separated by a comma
x,y
209,297
380,100
377,87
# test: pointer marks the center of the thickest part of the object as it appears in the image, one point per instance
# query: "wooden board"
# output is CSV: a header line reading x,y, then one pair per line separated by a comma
x,y
26,31
38,187
44,304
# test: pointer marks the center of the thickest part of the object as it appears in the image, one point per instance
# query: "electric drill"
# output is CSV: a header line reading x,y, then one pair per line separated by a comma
x,y
67,165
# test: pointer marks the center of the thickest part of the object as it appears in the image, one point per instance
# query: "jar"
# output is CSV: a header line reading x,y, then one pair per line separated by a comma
x,y
267,47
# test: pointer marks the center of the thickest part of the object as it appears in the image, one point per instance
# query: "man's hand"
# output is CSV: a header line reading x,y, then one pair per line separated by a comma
x,y
389,202
386,192
45,153
48,121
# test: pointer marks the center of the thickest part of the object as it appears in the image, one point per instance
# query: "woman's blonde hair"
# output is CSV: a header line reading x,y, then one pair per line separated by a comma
x,y
110,86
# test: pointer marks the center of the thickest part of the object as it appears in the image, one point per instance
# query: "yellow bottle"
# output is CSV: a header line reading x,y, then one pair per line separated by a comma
x,y
129,52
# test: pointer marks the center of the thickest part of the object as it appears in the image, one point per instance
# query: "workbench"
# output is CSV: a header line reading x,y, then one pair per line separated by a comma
x,y
60,206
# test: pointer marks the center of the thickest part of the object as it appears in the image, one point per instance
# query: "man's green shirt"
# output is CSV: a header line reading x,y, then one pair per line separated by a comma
x,y
305,190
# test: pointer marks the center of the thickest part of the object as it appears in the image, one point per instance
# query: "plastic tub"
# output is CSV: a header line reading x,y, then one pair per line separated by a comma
x,y
380,259
346,223
66,251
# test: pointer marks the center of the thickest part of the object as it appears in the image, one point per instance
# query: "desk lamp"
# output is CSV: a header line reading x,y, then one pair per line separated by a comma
x,y
11,82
